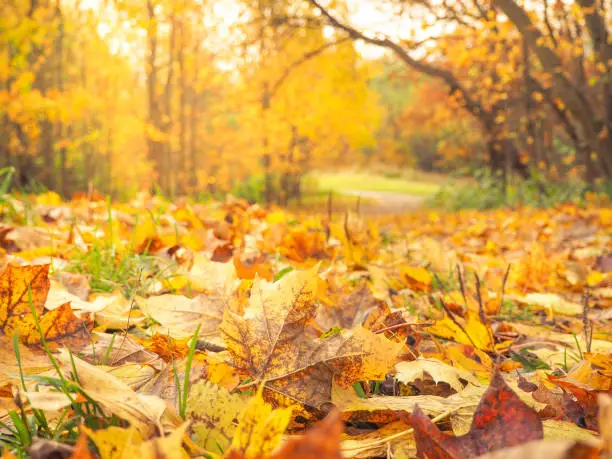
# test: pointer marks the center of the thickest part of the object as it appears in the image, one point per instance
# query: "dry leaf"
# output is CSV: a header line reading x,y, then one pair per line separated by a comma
x,y
23,292
120,443
440,372
144,412
260,429
270,344
501,420
214,413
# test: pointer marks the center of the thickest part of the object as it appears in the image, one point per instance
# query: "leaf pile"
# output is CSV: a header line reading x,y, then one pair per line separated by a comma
x,y
231,330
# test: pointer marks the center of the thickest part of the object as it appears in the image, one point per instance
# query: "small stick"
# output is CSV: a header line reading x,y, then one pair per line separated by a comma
x,y
329,216
439,281
503,290
462,285
481,311
406,324
587,325
456,322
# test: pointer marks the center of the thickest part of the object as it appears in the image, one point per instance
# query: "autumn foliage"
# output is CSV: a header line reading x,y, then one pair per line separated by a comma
x,y
197,97
453,335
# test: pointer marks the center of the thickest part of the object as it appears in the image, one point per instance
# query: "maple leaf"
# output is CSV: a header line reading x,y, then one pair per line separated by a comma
x,y
472,331
180,315
350,309
501,420
117,443
260,429
214,413
17,285
23,293
321,441
269,343
550,449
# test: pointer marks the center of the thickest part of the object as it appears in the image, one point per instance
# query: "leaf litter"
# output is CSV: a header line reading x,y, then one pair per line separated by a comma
x,y
231,330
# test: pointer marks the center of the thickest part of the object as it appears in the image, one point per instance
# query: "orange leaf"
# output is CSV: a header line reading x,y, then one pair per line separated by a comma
x,y
22,286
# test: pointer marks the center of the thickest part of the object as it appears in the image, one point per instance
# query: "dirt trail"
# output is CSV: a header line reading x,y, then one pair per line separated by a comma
x,y
382,202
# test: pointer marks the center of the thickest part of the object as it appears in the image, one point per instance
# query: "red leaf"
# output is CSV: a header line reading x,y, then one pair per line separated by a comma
x,y
501,420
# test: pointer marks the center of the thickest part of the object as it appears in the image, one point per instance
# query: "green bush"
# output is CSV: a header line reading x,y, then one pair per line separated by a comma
x,y
489,193
251,188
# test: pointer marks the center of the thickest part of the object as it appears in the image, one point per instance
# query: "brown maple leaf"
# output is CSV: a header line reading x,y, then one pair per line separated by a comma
x,y
501,420
23,292
268,342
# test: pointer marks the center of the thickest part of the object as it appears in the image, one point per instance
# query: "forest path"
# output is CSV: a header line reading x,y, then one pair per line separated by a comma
x,y
386,202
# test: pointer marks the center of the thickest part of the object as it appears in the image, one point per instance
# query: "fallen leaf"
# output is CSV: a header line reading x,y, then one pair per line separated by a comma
x,y
269,343
144,412
472,331
179,315
501,420
23,293
120,443
118,349
214,413
550,449
396,438
47,400
553,303
260,429
439,371
112,311
320,441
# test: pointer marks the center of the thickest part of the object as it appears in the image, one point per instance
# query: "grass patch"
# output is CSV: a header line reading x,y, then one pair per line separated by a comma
x,y
488,193
108,271
339,182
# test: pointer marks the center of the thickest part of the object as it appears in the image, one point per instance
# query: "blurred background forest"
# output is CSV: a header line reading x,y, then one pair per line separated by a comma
x,y
252,96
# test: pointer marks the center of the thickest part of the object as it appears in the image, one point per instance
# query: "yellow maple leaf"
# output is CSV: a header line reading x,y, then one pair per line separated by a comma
x,y
417,277
260,428
126,443
214,412
470,359
472,331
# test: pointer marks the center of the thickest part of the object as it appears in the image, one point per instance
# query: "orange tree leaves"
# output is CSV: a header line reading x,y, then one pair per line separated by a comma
x,y
270,343
23,290
501,420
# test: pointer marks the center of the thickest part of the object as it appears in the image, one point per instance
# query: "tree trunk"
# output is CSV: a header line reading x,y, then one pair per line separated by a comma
x,y
591,123
154,118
